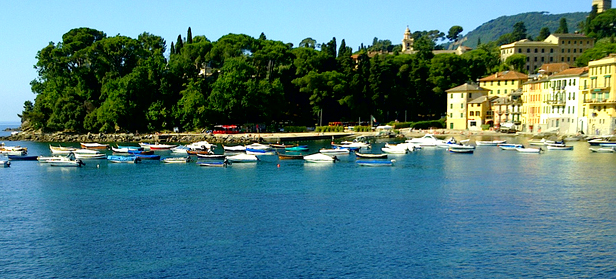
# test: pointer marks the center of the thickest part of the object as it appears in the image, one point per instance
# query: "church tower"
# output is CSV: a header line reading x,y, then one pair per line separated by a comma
x,y
407,41
602,5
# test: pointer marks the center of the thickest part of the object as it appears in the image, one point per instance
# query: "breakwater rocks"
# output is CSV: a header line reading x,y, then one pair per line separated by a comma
x,y
129,137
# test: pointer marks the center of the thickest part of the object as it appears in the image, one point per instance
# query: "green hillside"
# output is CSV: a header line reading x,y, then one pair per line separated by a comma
x,y
534,21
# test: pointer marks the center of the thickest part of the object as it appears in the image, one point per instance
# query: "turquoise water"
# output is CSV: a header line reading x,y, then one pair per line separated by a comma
x,y
491,214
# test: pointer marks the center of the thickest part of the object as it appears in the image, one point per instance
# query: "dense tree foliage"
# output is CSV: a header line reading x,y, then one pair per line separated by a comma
x,y
91,82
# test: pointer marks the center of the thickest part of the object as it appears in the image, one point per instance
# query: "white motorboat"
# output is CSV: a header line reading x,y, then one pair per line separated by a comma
x,y
259,146
395,150
50,159
5,163
180,149
73,163
242,158
510,146
236,148
490,142
335,151
320,158
529,150
558,146
426,140
603,150
201,145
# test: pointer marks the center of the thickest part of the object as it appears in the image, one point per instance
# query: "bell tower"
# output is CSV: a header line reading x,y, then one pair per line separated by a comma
x,y
407,41
602,5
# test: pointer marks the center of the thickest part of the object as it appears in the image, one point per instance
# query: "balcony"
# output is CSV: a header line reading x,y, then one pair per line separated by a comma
x,y
559,102
599,101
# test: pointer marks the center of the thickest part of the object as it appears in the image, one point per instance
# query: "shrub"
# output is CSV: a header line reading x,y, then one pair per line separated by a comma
x,y
485,127
439,124
295,129
362,129
325,129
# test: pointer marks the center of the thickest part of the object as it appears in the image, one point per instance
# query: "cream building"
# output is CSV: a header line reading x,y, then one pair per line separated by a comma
x,y
563,102
458,99
602,5
532,99
600,96
557,48
502,84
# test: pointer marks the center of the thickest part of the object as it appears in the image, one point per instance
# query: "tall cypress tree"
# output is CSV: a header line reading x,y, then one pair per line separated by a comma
x,y
189,36
172,50
179,45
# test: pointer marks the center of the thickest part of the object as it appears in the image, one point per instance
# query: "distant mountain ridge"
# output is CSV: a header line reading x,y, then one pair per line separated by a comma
x,y
534,21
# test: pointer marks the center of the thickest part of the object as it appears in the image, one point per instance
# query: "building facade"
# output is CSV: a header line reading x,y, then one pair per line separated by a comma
x,y
602,5
600,96
557,48
563,102
458,99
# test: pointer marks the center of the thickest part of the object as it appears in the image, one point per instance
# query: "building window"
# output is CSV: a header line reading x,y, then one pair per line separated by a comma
x,y
473,123
471,113
462,95
505,91
551,59
451,95
470,95
451,126
528,50
450,106
575,50
551,50
519,50
478,113
536,50
543,50
535,59
542,59
461,115
461,106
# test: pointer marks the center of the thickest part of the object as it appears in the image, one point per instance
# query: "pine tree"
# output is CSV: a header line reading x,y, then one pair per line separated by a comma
x,y
189,36
543,34
262,37
172,50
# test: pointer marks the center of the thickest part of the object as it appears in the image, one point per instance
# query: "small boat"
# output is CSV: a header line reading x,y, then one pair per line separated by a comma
x,y
559,147
334,151
279,145
180,149
371,155
260,151
598,142
156,146
141,152
211,156
347,147
320,158
220,164
241,158
461,150
297,148
607,144
510,146
195,152
86,151
176,160
201,145
94,145
22,157
236,148
126,149
603,150
12,148
376,163
5,163
14,152
395,150
147,157
259,146
290,157
123,159
90,156
49,159
426,140
61,149
490,142
529,150
72,163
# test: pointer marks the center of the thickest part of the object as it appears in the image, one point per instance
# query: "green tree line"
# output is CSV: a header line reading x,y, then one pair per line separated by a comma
x,y
91,82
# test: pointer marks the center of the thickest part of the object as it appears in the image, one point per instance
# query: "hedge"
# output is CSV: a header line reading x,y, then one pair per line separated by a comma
x,y
295,129
325,129
439,124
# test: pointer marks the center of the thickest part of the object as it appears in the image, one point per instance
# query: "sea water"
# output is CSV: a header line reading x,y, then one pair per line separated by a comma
x,y
434,214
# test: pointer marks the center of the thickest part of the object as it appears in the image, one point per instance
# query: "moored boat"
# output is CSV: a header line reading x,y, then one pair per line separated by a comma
x,y
461,148
603,150
220,164
156,146
375,163
509,146
125,149
22,157
242,158
176,160
290,157
236,148
371,155
395,150
201,145
94,145
559,147
252,151
297,148
334,151
5,163
490,142
123,159
426,140
211,156
73,163
147,157
320,158
61,149
90,156
529,150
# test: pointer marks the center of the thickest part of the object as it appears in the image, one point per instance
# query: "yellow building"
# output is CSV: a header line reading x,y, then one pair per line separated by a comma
x,y
602,5
563,48
532,102
600,97
458,99
502,84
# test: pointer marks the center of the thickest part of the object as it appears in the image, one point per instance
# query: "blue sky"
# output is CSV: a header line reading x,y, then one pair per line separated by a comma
x,y
28,26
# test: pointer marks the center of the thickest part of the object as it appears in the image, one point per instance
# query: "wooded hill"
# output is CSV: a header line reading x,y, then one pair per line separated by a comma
x,y
534,21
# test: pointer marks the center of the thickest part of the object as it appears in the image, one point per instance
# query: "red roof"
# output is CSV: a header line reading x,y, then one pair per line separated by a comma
x,y
506,75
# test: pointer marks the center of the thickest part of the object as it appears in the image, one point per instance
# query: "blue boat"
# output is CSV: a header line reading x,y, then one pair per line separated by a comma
x,y
22,157
253,151
376,163
297,148
123,159
220,164
147,157
351,148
